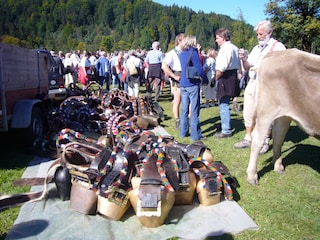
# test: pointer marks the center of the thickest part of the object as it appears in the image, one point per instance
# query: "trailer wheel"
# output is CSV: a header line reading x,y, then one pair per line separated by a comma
x,y
36,127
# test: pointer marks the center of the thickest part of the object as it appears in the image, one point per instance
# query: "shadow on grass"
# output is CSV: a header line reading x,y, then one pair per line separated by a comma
x,y
15,152
305,154
234,184
210,126
213,125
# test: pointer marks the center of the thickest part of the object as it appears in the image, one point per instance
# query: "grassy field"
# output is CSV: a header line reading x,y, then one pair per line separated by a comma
x,y
283,206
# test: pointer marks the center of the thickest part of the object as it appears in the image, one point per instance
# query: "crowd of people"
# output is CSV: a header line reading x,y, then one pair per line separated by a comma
x,y
221,75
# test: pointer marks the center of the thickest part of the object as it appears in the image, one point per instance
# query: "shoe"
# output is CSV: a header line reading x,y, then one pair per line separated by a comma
x,y
264,148
222,135
242,144
204,105
177,123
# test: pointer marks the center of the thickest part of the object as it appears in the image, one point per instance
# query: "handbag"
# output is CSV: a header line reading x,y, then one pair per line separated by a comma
x,y
192,73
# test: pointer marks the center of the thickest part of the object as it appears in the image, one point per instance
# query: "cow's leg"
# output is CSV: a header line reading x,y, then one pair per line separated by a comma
x,y
259,134
279,131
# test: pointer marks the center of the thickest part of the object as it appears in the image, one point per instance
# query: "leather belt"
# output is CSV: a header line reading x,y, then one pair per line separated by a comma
x,y
195,149
149,202
116,181
178,155
19,199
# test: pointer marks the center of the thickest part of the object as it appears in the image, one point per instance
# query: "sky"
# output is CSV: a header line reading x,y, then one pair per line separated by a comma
x,y
252,10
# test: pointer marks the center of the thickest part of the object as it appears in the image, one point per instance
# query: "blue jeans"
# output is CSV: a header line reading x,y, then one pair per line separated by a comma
x,y
104,80
224,107
120,83
190,96
115,80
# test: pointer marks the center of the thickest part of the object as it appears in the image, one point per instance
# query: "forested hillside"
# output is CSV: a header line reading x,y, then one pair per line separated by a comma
x,y
110,24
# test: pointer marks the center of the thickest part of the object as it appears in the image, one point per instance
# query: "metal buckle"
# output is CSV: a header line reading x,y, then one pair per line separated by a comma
x,y
149,201
184,187
212,187
118,196
79,178
211,184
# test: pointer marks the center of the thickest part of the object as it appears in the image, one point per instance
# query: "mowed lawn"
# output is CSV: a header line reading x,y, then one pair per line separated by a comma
x,y
284,206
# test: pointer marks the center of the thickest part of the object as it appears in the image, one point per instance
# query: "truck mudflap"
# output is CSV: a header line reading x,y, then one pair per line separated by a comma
x,y
22,113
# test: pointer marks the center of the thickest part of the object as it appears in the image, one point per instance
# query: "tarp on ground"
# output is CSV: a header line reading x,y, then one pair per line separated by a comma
x,y
52,219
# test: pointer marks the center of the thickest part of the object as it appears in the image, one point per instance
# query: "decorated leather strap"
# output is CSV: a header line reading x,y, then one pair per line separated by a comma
x,y
67,135
142,106
114,180
113,121
168,170
183,166
129,124
148,104
117,99
134,103
158,172
220,179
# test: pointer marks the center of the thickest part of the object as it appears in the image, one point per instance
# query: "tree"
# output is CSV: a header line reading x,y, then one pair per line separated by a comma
x,y
242,35
116,24
296,23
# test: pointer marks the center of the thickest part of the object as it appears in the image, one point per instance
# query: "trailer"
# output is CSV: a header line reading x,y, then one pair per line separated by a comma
x,y
27,78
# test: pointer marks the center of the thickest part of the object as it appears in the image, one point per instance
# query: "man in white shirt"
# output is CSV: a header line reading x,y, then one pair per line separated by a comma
x,y
227,66
266,44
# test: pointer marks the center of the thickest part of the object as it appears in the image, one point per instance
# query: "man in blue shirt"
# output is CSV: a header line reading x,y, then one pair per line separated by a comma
x,y
154,60
102,67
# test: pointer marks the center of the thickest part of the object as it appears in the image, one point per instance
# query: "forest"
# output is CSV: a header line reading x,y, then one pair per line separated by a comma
x,y
129,24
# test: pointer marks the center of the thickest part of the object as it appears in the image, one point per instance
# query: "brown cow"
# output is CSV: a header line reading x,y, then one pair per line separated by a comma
x,y
288,89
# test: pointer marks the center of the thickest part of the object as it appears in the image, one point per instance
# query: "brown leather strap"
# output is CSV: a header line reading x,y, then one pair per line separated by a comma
x,y
180,157
31,181
150,185
19,199
79,154
195,149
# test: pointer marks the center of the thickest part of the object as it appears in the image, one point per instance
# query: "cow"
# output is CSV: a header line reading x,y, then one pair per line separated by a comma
x,y
288,89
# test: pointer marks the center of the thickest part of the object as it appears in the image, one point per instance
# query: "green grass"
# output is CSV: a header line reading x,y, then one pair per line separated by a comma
x,y
14,160
283,206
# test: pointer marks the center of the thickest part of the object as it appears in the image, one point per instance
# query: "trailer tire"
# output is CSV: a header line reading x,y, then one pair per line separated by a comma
x,y
36,127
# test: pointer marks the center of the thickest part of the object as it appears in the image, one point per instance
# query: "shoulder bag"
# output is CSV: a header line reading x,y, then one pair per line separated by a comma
x,y
192,73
